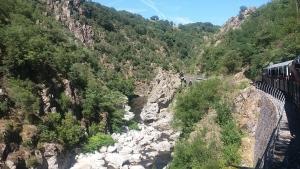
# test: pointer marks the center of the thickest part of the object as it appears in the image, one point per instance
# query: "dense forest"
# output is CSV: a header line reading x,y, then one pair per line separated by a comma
x,y
57,89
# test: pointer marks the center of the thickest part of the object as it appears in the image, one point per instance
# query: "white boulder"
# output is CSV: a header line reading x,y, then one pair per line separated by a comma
x,y
150,112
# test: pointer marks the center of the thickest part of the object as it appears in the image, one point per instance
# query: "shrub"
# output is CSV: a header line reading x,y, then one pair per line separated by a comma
x,y
3,108
21,93
196,154
96,128
97,141
64,102
70,131
133,125
32,162
53,120
195,102
230,134
47,135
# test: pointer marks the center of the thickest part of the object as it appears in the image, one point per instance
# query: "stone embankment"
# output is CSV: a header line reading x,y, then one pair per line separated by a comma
x,y
151,145
258,114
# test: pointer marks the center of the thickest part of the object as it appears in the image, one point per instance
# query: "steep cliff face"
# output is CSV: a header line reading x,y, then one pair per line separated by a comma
x,y
233,23
63,11
163,90
236,21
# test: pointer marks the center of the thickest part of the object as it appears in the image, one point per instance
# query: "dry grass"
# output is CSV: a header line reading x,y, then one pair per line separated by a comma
x,y
210,128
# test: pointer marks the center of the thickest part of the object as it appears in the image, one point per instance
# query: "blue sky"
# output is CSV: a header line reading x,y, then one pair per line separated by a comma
x,y
184,11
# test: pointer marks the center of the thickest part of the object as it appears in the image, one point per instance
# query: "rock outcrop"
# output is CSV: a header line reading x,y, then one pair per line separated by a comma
x,y
163,89
232,24
71,92
236,21
143,148
63,11
55,157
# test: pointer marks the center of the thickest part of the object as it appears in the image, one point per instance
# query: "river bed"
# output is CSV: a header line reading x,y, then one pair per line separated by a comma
x,y
148,147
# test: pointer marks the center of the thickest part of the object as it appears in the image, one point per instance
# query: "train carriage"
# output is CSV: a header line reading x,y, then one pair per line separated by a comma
x,y
286,77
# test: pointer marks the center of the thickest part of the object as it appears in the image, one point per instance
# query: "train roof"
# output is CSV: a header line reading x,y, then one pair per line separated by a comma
x,y
279,64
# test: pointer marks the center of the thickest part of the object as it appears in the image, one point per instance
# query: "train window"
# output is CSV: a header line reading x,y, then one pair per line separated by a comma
x,y
280,71
272,72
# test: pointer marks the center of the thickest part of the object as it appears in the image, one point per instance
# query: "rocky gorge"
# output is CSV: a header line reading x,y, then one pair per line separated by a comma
x,y
151,145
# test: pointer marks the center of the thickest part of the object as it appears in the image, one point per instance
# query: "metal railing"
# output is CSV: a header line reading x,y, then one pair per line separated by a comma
x,y
266,160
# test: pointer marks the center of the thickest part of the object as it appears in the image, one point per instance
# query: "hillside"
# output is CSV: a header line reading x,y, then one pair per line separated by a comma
x,y
66,67
210,113
271,34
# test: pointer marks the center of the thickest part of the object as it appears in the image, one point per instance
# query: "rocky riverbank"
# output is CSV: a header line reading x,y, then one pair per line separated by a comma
x,y
152,144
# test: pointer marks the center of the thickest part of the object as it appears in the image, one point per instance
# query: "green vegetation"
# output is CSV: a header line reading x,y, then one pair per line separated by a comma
x,y
197,154
21,93
191,106
271,34
32,162
133,125
86,85
97,141
42,64
230,134
129,40
70,131
66,131
3,108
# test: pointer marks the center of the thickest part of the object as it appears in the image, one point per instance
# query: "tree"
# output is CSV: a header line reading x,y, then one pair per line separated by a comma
x,y
242,10
154,18
70,131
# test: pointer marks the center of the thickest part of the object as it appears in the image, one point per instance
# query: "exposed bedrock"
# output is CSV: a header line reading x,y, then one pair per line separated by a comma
x,y
151,145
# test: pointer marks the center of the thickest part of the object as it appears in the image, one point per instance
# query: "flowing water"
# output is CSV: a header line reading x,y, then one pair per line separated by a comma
x,y
137,103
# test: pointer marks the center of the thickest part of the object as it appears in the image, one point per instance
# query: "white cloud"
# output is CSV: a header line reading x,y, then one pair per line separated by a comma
x,y
151,4
181,20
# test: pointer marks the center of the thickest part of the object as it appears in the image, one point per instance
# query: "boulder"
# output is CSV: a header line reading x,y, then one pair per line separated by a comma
x,y
126,150
103,149
162,146
137,167
2,149
10,164
111,149
135,158
52,162
52,155
128,114
125,167
115,160
150,112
